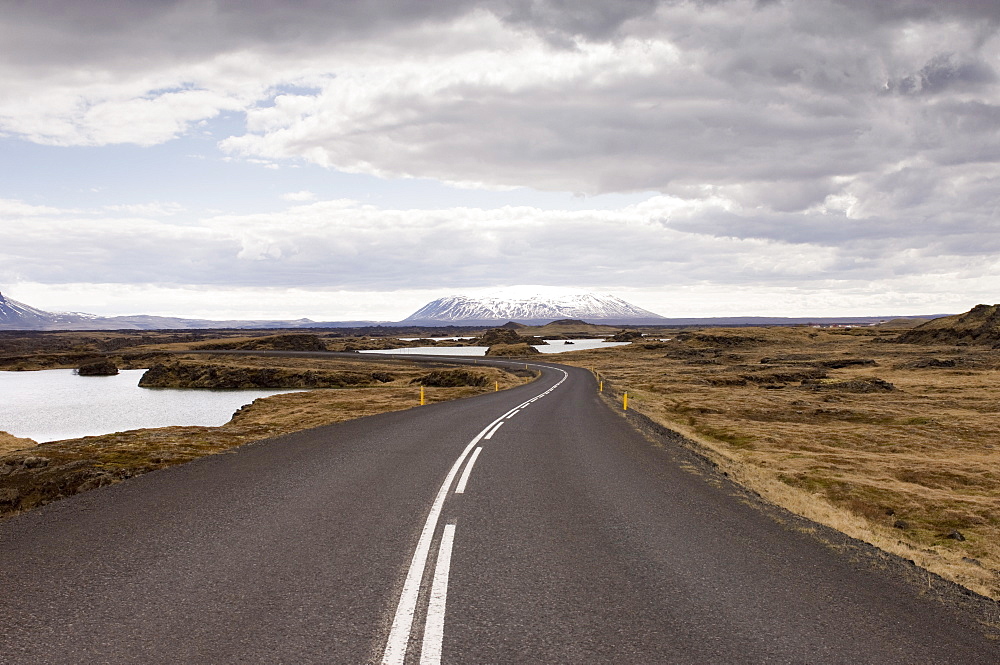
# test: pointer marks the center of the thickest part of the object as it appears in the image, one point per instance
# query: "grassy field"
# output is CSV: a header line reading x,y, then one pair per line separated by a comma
x,y
33,475
894,444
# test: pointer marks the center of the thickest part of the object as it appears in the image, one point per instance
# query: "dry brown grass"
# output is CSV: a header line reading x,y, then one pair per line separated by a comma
x,y
901,469
9,442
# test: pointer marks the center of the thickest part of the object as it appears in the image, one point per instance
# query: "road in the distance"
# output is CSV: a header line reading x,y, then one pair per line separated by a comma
x,y
573,540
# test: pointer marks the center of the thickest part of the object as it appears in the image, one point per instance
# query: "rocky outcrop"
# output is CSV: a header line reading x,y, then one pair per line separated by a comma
x,y
625,336
979,326
290,342
511,350
507,336
930,363
98,368
183,375
785,375
869,385
722,339
452,378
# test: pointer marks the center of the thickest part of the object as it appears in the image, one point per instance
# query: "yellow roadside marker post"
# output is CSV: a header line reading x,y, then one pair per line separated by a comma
x,y
422,401
496,386
625,402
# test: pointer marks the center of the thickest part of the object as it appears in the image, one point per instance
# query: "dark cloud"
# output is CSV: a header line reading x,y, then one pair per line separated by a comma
x,y
563,21
82,31
151,33
943,74
897,11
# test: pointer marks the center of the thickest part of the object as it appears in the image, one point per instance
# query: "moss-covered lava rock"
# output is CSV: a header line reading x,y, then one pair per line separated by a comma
x,y
98,368
511,350
187,375
452,378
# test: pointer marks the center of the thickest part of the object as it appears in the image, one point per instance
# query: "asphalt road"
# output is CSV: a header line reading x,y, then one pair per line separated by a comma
x,y
575,539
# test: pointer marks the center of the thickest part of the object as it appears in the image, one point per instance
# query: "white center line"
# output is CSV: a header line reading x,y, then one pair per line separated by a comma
x,y
430,652
399,633
493,431
460,489
402,622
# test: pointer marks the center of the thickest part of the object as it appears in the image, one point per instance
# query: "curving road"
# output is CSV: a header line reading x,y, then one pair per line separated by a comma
x,y
535,525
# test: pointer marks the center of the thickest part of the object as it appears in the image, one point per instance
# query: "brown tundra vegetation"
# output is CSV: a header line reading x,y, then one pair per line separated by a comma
x,y
893,443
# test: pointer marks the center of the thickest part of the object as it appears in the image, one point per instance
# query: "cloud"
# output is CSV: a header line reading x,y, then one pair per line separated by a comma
x,y
299,196
782,106
663,243
794,142
153,209
806,97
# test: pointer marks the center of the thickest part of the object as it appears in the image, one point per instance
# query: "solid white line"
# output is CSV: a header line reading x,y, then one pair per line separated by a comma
x,y
463,481
493,431
430,652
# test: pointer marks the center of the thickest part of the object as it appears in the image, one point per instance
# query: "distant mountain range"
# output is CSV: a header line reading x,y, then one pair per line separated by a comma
x,y
522,307
16,315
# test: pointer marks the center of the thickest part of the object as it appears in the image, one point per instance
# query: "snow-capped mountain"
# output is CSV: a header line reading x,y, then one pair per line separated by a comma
x,y
13,312
525,306
17,315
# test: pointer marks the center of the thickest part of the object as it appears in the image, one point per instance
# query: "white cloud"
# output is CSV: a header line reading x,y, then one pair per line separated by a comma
x,y
152,209
667,245
302,195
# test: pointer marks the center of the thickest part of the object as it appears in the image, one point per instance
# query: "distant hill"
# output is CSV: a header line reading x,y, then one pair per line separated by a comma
x,y
904,323
980,326
569,327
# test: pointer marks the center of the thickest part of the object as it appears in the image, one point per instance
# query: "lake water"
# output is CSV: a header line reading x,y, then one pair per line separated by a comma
x,y
55,404
553,346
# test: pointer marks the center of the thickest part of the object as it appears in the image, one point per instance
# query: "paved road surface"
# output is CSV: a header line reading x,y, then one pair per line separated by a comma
x,y
574,540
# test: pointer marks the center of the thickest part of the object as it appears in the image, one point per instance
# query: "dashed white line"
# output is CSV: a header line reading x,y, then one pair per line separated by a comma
x,y
463,481
494,430
430,652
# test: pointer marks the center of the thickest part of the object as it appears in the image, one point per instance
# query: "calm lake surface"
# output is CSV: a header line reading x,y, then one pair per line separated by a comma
x,y
553,346
54,404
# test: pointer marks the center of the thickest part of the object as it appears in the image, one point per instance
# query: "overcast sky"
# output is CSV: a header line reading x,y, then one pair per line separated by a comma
x,y
353,159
